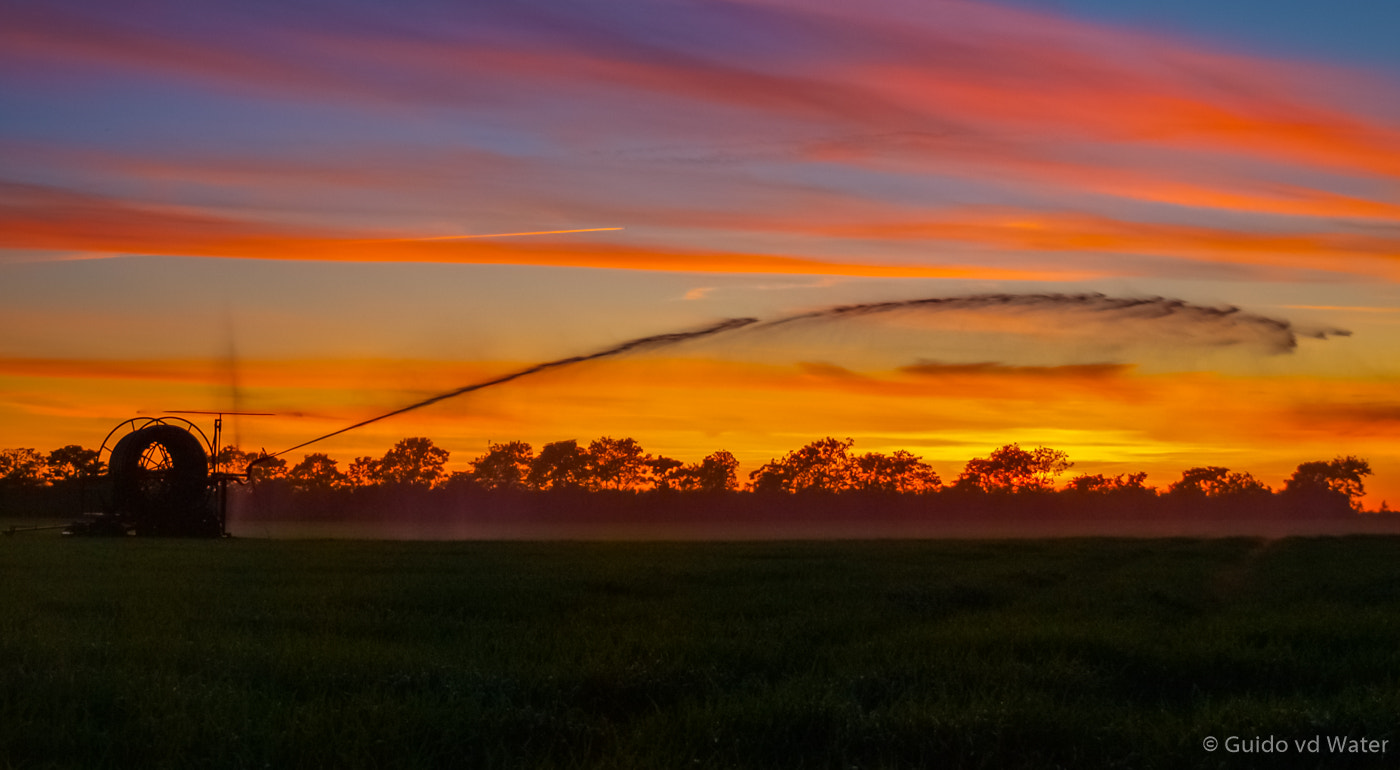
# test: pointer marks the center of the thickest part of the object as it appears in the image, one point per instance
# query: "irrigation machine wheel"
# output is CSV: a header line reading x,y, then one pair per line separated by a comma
x,y
159,474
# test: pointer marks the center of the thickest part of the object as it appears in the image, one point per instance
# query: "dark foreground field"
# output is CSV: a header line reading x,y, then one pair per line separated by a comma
x,y
1077,653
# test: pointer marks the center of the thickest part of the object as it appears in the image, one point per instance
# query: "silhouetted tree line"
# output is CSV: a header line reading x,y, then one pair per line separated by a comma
x,y
57,483
824,473
605,464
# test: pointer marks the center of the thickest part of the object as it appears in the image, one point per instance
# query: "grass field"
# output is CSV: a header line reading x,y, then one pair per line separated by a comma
x,y
1077,653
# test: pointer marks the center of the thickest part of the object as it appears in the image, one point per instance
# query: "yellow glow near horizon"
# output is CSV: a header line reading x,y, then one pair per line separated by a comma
x,y
1108,422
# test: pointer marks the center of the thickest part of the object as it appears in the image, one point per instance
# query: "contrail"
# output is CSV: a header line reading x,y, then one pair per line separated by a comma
x,y
1230,325
494,235
643,343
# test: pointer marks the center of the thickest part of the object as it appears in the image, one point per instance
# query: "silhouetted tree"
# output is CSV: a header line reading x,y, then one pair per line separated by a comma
x,y
1132,482
617,463
1100,484
459,480
1244,484
664,472
560,465
504,466
1342,475
769,478
261,467
716,473
21,467
1215,481
231,459
1085,483
901,472
363,472
823,465
73,462
316,473
412,462
1013,469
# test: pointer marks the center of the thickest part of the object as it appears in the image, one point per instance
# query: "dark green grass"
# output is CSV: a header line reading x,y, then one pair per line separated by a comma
x,y
1074,653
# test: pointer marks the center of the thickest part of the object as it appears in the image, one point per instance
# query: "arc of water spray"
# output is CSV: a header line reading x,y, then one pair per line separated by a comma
x,y
655,341
1279,335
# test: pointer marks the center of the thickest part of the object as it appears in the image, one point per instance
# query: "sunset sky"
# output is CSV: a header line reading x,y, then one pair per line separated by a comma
x,y
329,210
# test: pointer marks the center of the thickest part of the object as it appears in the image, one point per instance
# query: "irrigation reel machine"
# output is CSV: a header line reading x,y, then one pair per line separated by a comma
x,y
163,475
163,479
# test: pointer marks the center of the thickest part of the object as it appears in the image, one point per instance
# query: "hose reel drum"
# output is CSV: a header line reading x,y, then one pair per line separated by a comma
x,y
161,480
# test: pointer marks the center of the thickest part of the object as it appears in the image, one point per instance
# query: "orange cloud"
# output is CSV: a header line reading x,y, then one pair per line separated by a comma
x,y
41,218
1039,231
1148,112
1003,70
320,374
991,369
1349,418
1140,177
47,219
202,372
1290,200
